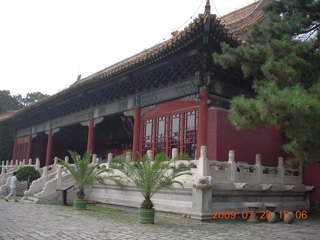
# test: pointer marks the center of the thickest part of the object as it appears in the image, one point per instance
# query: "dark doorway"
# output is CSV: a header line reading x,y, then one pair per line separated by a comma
x,y
113,135
70,138
39,148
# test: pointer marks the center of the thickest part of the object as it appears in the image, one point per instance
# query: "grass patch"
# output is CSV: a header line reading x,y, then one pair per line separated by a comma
x,y
110,213
100,212
175,223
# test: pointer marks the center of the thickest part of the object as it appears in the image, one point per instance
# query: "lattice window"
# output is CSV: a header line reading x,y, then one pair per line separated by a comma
x,y
22,151
147,135
164,133
174,133
160,138
190,133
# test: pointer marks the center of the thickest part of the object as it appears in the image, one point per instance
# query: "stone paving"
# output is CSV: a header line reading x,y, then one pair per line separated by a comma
x,y
20,220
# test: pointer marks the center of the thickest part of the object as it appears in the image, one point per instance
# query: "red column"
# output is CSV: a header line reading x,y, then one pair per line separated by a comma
x,y
29,152
90,141
49,148
202,120
14,153
136,130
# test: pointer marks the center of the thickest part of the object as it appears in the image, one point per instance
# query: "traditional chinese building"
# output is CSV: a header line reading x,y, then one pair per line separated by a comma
x,y
170,95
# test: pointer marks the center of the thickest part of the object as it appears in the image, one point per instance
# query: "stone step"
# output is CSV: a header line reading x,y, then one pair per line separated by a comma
x,y
29,199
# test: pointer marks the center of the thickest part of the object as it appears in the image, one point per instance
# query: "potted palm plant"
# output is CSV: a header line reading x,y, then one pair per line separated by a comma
x,y
149,177
84,174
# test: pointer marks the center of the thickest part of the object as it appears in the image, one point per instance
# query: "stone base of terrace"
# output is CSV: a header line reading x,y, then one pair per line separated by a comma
x,y
218,186
213,186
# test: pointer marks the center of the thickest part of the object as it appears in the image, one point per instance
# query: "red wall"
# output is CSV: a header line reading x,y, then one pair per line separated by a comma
x,y
311,177
223,137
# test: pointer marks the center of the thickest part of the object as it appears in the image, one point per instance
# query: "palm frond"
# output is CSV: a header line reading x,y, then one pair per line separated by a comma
x,y
83,172
149,176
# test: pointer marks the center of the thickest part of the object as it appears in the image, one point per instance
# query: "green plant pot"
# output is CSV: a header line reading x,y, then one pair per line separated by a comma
x,y
80,204
146,215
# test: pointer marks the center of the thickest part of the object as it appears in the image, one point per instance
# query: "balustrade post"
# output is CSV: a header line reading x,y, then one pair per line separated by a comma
x,y
66,159
202,186
174,153
128,156
233,167
55,160
55,163
59,177
174,156
30,162
203,162
259,168
110,156
38,164
45,173
94,158
150,154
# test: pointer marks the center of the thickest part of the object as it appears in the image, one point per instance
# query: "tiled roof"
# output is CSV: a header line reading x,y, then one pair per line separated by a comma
x,y
7,114
237,22
149,53
232,25
241,20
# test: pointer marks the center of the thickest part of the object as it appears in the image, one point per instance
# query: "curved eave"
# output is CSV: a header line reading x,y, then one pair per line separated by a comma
x,y
193,32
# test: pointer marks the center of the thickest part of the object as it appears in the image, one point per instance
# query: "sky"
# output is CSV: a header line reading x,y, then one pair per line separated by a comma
x,y
46,44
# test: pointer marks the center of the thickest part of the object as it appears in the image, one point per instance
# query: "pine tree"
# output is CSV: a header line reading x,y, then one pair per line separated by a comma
x,y
283,60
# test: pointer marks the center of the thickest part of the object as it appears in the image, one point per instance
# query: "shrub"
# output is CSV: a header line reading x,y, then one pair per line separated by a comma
x,y
28,174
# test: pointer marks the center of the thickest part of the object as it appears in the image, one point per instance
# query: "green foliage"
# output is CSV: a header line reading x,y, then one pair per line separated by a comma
x,y
295,110
15,102
31,98
83,172
7,135
282,58
27,173
7,102
149,176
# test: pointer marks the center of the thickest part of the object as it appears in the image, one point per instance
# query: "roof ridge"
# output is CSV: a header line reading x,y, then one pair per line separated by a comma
x,y
258,3
147,51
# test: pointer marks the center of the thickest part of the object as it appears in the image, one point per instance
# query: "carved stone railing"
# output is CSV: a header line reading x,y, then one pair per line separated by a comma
x,y
242,172
47,174
8,167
